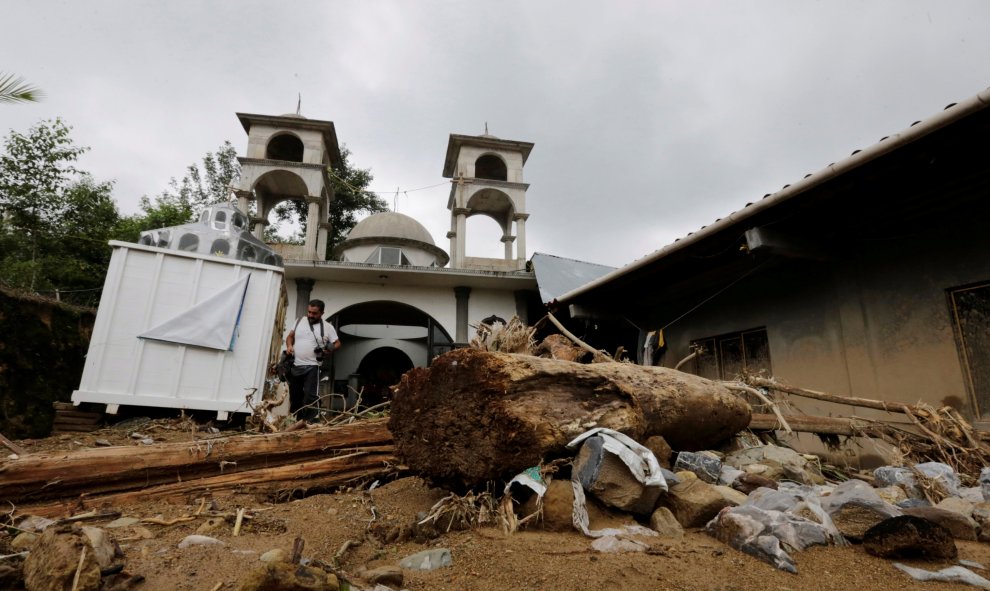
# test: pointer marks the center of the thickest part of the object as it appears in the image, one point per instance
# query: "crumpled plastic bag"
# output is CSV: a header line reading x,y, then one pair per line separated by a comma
x,y
953,574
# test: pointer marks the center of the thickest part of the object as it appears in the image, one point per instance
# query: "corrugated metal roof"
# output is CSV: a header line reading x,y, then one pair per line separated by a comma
x,y
557,275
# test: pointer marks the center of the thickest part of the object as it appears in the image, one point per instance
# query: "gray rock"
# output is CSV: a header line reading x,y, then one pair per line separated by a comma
x,y
957,505
908,536
908,503
985,483
664,523
960,526
616,545
693,502
427,560
102,443
607,477
705,466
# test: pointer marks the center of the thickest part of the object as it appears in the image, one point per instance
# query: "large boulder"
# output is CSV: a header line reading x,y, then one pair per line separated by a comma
x,y
908,536
693,502
55,558
960,526
608,478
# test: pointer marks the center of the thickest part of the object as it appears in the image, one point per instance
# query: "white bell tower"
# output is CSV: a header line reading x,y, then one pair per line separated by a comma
x,y
487,179
288,158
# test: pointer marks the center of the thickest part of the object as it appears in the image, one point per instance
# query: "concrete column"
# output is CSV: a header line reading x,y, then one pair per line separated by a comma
x,y
452,235
259,228
312,227
461,230
304,293
507,241
521,235
462,294
321,241
243,200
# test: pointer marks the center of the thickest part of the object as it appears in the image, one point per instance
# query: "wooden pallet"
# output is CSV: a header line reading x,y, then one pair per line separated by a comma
x,y
69,419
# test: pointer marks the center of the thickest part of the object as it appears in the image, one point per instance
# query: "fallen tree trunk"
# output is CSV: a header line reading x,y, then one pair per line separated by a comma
x,y
474,416
809,424
277,482
37,477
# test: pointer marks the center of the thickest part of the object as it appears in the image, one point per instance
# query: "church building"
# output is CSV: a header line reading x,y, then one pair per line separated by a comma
x,y
396,298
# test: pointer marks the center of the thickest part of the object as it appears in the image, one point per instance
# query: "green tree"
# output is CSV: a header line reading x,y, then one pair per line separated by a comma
x,y
13,89
203,184
54,220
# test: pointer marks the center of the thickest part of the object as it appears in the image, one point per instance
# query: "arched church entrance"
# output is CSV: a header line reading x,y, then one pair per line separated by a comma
x,y
381,341
380,370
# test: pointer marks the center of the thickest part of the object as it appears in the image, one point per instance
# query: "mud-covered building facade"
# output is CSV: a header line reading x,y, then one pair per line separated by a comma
x,y
869,278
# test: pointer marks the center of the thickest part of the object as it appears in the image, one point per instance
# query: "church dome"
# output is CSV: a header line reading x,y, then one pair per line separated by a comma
x,y
391,229
391,224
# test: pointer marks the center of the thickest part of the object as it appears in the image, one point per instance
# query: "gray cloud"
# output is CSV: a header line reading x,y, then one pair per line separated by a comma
x,y
649,119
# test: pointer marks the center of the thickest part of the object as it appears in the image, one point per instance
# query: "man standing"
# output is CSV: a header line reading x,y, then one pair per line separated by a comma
x,y
309,342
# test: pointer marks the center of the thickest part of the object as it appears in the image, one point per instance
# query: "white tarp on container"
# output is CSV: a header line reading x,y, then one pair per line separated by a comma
x,y
211,323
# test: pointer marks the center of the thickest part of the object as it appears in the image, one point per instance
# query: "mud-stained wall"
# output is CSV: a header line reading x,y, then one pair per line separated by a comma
x,y
876,323
43,347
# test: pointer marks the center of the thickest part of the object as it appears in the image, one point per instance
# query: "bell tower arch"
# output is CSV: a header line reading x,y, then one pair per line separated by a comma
x,y
487,179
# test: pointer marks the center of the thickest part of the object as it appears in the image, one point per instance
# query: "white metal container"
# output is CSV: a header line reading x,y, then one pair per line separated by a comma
x,y
147,287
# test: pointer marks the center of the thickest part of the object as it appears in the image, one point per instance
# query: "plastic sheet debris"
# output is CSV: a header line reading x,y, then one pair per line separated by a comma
x,y
640,460
941,473
953,574
985,483
531,479
428,560
614,545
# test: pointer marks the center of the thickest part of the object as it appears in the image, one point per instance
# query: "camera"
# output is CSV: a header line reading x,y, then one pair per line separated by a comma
x,y
319,352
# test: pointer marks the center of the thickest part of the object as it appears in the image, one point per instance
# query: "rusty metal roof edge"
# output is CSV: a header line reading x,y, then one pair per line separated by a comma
x,y
914,132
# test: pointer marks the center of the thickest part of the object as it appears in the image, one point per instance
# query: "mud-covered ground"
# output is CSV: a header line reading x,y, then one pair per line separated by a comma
x,y
377,525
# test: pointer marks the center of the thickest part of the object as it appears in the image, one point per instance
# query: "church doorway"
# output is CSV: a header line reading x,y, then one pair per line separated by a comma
x,y
381,341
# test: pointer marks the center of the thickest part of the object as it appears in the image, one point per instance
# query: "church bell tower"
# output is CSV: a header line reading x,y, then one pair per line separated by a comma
x,y
487,178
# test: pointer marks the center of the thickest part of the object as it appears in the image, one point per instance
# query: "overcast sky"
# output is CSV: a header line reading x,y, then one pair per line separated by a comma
x,y
650,119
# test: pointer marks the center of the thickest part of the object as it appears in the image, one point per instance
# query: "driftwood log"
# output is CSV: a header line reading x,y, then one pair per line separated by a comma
x,y
101,471
474,416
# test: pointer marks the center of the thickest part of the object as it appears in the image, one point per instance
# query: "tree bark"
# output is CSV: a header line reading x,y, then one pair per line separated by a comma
x,y
320,473
475,416
37,477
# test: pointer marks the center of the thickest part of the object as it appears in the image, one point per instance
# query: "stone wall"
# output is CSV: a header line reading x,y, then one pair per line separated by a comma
x,y
43,348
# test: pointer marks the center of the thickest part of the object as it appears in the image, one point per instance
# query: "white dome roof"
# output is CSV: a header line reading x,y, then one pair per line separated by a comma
x,y
391,225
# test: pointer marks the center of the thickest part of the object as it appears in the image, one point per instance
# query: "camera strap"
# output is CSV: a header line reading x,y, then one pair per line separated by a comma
x,y
321,343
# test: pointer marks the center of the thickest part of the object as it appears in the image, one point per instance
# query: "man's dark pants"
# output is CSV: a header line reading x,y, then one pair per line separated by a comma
x,y
304,391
